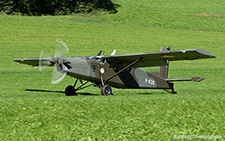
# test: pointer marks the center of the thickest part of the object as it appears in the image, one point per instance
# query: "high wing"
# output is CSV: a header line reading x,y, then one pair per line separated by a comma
x,y
34,61
158,58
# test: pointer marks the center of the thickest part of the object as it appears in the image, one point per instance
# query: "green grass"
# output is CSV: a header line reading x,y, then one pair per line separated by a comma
x,y
139,26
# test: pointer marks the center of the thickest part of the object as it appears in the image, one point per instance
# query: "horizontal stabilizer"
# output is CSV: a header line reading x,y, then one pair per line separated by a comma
x,y
194,79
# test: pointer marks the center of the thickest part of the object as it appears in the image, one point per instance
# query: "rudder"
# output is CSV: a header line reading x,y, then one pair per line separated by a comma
x,y
163,70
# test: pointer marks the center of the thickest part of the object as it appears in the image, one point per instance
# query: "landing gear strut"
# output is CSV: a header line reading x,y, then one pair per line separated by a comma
x,y
71,90
105,88
171,88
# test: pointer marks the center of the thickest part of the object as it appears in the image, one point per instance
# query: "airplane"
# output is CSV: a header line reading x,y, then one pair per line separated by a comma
x,y
119,71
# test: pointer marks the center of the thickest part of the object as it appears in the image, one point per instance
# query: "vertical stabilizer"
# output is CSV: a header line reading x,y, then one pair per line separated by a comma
x,y
163,70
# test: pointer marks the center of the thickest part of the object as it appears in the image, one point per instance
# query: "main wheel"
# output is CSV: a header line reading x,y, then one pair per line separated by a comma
x,y
106,90
70,91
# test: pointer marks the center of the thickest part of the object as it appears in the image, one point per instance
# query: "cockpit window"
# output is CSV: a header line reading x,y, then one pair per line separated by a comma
x,y
96,58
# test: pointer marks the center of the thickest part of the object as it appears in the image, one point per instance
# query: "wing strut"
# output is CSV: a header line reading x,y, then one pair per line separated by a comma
x,y
131,64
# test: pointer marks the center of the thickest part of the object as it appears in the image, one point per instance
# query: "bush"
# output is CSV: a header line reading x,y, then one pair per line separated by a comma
x,y
54,7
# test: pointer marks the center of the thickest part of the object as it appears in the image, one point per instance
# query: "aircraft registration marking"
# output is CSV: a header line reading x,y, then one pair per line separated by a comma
x,y
150,81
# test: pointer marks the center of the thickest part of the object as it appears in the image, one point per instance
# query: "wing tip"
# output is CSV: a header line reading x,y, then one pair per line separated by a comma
x,y
204,52
18,59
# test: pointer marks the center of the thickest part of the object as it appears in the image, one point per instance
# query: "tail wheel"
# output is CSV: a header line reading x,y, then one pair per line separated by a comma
x,y
70,91
106,90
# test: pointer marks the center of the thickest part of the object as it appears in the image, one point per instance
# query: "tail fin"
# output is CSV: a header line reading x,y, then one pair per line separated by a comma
x,y
163,70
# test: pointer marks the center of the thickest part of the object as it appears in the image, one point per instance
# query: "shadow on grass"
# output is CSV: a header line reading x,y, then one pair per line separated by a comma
x,y
62,92
88,94
49,91
145,93
153,93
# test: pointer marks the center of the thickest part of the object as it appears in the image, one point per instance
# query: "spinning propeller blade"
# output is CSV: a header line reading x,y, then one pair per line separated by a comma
x,y
61,48
59,65
58,74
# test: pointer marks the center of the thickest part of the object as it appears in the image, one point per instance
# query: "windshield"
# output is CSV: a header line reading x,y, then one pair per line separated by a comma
x,y
96,58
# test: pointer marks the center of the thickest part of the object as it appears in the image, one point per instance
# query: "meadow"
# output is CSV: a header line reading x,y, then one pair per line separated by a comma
x,y
31,108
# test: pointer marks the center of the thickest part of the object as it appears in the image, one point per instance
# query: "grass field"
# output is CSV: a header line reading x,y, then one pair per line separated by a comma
x,y
33,109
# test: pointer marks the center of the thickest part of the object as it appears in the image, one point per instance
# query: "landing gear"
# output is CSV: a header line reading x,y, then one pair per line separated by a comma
x,y
70,91
106,90
171,88
172,91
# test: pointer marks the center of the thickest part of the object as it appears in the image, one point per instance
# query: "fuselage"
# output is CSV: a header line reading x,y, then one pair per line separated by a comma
x,y
92,68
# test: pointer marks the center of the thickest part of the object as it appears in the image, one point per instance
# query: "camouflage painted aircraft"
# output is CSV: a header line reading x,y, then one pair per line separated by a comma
x,y
120,71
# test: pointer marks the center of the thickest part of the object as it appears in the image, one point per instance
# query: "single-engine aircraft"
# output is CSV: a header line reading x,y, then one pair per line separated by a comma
x,y
120,71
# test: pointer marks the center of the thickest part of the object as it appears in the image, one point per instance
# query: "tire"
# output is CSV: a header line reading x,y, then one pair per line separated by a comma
x,y
70,91
106,90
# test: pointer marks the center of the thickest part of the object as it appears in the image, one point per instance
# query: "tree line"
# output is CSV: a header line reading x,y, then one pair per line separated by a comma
x,y
55,7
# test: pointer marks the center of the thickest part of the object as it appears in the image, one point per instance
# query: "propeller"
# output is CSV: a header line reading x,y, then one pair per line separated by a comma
x,y
59,64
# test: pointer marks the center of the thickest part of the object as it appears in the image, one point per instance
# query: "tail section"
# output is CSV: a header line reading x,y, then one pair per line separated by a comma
x,y
163,70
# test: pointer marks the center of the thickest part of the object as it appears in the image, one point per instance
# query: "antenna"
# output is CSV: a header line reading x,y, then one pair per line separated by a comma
x,y
114,52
